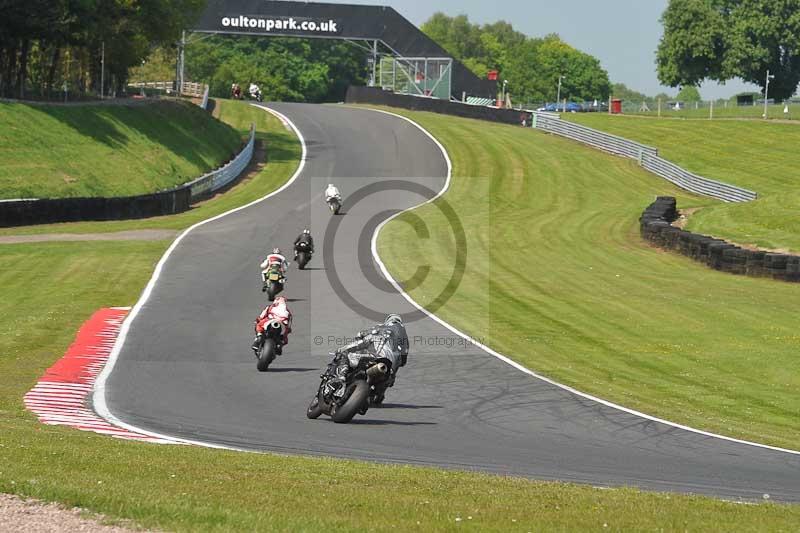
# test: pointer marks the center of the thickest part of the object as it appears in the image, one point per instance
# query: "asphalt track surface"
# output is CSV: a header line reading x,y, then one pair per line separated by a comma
x,y
186,369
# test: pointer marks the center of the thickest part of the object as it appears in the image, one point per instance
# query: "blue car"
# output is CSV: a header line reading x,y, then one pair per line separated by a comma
x,y
571,107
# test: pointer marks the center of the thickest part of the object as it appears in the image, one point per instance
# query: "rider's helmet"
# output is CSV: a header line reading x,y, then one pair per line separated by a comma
x,y
393,319
279,300
330,185
276,251
306,231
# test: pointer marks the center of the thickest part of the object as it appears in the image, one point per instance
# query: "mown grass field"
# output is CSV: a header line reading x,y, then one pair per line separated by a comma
x,y
48,290
49,151
558,279
758,155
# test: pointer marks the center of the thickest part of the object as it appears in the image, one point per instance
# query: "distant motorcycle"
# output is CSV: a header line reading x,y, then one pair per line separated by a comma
x,y
302,254
257,96
347,385
271,344
274,281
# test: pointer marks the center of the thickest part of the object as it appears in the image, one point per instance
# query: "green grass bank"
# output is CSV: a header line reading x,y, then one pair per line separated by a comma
x,y
178,488
51,151
758,155
558,278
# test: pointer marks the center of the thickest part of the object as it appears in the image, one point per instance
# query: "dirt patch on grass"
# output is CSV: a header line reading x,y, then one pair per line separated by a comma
x,y
683,217
17,514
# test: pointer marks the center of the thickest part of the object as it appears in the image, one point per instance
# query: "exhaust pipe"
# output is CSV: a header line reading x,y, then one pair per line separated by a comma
x,y
275,324
377,372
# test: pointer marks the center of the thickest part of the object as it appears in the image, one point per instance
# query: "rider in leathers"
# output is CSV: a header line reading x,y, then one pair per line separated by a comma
x,y
306,238
388,340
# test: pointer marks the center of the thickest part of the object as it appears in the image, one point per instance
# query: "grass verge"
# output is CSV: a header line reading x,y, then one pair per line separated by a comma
x,y
757,155
558,278
48,289
49,151
183,488
283,153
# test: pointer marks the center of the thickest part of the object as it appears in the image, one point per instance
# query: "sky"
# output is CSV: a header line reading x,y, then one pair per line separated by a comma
x,y
622,34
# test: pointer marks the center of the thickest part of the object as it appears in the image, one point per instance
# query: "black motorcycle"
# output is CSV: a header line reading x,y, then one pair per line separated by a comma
x,y
274,281
271,344
302,254
348,385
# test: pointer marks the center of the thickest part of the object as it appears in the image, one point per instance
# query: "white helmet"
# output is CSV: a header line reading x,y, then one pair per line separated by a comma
x,y
393,318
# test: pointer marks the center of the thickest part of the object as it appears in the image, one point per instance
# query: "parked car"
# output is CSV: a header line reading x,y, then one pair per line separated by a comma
x,y
571,107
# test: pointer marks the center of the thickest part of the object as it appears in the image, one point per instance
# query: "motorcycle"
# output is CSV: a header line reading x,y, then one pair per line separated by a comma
x,y
335,204
347,386
257,96
302,254
271,344
274,281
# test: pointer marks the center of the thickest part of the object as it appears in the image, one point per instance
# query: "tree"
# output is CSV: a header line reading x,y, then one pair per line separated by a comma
x,y
531,65
726,39
689,93
301,70
41,40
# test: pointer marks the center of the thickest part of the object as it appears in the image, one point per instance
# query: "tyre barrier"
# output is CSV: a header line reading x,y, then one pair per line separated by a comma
x,y
655,226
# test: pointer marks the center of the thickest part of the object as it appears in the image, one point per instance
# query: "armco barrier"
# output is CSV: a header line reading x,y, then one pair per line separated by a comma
x,y
598,139
647,156
46,211
213,181
655,227
376,96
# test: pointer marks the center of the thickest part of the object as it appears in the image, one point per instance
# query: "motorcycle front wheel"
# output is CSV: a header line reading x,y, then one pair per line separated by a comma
x,y
315,408
355,402
273,290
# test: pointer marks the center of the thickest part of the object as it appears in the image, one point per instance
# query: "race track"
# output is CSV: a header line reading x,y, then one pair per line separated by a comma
x,y
186,368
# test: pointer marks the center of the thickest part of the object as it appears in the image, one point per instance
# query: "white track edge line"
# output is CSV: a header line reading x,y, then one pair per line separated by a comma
x,y
505,359
99,394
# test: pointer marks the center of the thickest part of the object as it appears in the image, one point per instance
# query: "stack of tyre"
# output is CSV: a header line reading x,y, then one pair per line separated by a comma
x,y
655,226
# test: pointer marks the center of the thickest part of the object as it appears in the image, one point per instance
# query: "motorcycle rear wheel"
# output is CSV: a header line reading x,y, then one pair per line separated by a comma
x,y
302,260
266,355
354,403
273,290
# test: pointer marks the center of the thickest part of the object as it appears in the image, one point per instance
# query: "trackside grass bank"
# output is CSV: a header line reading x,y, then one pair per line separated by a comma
x,y
48,290
49,151
558,279
758,155
282,154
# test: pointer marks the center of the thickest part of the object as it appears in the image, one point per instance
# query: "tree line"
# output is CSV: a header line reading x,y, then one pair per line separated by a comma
x,y
725,39
531,65
46,45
